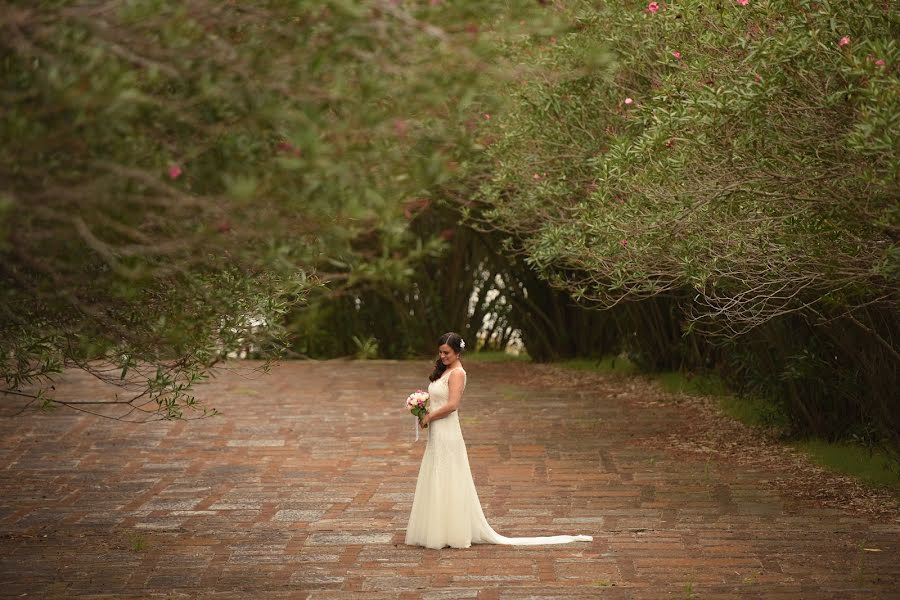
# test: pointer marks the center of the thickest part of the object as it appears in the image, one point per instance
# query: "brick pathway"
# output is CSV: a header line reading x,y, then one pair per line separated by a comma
x,y
303,487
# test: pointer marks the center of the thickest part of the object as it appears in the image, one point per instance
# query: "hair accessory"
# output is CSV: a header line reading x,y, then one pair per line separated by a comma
x,y
462,343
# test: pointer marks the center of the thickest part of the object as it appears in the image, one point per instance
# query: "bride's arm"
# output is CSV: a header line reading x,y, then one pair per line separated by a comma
x,y
455,383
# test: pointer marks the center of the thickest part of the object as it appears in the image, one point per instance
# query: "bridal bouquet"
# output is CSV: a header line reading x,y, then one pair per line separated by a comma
x,y
417,403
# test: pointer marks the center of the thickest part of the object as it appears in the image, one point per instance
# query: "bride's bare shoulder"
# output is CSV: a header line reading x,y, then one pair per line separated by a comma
x,y
457,373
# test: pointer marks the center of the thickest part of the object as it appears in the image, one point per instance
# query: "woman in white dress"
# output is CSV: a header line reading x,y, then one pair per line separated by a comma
x,y
446,510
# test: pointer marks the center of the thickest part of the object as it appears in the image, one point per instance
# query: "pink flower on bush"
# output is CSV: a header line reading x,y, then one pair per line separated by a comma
x,y
284,146
844,41
629,101
624,243
880,62
174,171
743,2
653,7
677,55
401,127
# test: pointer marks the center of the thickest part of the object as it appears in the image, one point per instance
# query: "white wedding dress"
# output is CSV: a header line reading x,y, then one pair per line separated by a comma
x,y
446,510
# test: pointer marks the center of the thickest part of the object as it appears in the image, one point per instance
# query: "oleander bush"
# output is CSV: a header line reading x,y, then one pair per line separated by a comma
x,y
725,176
698,186
179,177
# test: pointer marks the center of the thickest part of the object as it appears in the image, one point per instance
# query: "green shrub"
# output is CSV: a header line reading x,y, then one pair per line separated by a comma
x,y
734,165
175,172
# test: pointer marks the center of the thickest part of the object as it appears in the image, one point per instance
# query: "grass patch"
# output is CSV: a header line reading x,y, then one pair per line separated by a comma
x,y
874,467
496,356
137,542
750,410
608,364
678,382
513,393
756,412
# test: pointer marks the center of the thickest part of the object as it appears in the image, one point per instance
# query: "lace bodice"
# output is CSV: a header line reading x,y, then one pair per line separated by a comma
x,y
439,389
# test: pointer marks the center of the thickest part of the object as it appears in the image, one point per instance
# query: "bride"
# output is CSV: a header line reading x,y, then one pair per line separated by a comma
x,y
446,510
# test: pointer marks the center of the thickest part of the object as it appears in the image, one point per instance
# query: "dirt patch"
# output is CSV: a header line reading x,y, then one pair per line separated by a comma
x,y
702,429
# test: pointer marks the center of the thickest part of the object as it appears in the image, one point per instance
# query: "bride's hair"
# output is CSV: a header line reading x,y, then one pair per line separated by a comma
x,y
451,339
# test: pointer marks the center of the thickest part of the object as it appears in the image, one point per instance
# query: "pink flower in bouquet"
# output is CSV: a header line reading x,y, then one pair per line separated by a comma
x,y
417,404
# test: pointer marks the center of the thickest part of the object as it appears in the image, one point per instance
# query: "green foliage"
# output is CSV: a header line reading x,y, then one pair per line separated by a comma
x,y
137,542
177,177
618,365
755,411
678,382
496,356
366,348
725,177
444,287
874,467
729,173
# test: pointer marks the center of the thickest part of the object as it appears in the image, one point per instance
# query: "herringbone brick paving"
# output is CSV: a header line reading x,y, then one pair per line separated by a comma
x,y
302,489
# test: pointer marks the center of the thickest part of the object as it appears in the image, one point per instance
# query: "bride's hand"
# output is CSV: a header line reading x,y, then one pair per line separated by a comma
x,y
425,420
